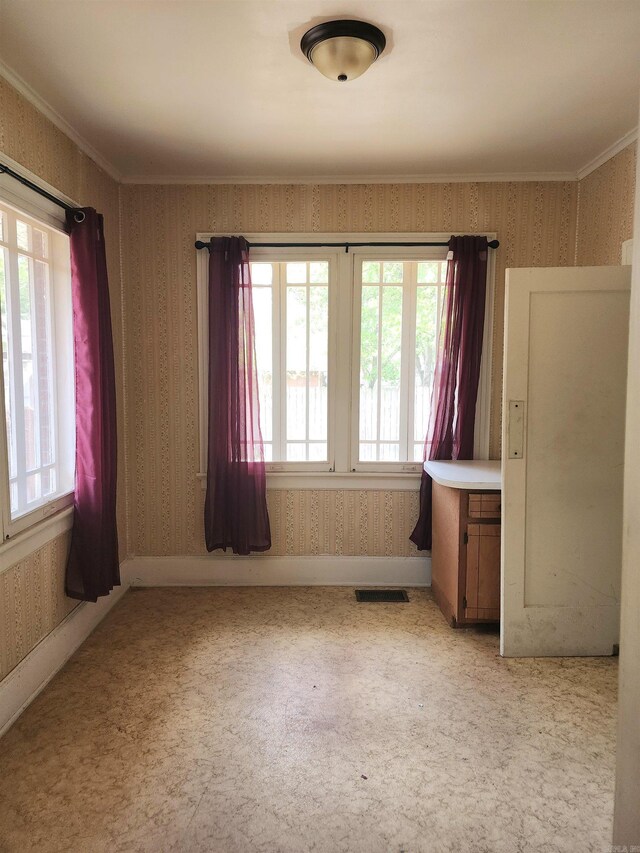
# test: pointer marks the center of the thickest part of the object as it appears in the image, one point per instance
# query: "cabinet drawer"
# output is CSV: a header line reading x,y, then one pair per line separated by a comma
x,y
485,505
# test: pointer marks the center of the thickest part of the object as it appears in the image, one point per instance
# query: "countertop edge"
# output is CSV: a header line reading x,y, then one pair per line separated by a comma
x,y
476,485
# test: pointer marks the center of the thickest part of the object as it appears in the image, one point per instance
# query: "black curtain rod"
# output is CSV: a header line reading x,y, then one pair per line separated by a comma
x,y
78,215
493,244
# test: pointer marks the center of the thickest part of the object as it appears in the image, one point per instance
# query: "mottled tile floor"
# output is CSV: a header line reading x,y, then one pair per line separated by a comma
x,y
295,720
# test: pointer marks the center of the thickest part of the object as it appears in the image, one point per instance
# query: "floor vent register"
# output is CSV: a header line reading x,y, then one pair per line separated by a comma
x,y
381,595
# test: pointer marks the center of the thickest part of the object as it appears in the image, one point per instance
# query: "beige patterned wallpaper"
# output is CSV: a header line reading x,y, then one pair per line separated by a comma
x,y
343,522
32,599
534,221
605,211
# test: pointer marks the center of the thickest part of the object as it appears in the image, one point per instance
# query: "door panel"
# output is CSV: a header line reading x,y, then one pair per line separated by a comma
x,y
565,359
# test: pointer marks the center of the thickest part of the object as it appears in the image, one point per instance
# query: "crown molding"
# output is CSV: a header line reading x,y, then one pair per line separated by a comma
x,y
498,177
55,118
608,153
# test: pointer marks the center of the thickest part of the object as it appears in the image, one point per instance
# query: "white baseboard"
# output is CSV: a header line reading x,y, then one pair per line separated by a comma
x,y
258,570
21,686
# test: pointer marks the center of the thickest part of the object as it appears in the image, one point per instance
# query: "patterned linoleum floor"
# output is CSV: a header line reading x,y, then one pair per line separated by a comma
x,y
296,720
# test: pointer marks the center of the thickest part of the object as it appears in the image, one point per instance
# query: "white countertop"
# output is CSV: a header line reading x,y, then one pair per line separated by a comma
x,y
466,474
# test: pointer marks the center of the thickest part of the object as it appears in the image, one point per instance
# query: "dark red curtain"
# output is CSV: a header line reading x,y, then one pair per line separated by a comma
x,y
235,512
93,566
455,387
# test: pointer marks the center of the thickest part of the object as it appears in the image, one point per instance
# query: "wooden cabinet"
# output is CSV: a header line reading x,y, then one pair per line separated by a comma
x,y
465,556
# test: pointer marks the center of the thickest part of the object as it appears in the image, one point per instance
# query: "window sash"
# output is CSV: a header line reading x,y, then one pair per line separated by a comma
x,y
281,440
47,319
411,258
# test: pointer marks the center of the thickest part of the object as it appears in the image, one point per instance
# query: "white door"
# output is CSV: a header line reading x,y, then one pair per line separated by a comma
x,y
565,365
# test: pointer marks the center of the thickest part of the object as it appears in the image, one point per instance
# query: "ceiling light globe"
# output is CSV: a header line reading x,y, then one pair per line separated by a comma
x,y
343,50
343,58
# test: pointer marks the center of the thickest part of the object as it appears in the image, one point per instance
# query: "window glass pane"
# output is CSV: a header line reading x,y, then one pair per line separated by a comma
x,y
319,272
443,271
296,452
34,490
39,241
428,272
29,386
318,361
368,451
425,357
389,452
296,358
390,363
268,451
418,452
317,451
261,274
369,339
44,365
393,272
48,481
22,233
371,272
262,312
296,273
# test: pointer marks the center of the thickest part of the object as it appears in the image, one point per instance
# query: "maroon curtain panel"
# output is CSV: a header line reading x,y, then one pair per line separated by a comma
x,y
235,512
93,566
455,387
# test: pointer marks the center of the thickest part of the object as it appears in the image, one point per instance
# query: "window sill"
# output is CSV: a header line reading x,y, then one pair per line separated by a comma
x,y
23,544
361,481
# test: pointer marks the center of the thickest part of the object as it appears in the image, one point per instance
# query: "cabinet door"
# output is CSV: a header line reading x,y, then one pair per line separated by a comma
x,y
482,592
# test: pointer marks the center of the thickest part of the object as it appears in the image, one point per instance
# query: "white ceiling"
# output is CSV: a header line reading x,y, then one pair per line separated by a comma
x,y
219,89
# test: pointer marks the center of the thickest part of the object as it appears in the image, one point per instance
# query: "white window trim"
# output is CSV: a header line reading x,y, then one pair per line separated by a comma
x,y
346,474
34,529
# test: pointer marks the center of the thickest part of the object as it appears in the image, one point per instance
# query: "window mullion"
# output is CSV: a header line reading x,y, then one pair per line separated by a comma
x,y
407,367
16,372
282,363
307,362
276,369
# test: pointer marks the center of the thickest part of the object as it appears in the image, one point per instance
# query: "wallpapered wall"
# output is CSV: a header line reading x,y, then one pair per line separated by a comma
x,y
32,600
605,211
534,221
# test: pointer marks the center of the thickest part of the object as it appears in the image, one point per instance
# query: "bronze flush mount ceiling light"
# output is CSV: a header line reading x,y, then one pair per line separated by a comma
x,y
343,50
